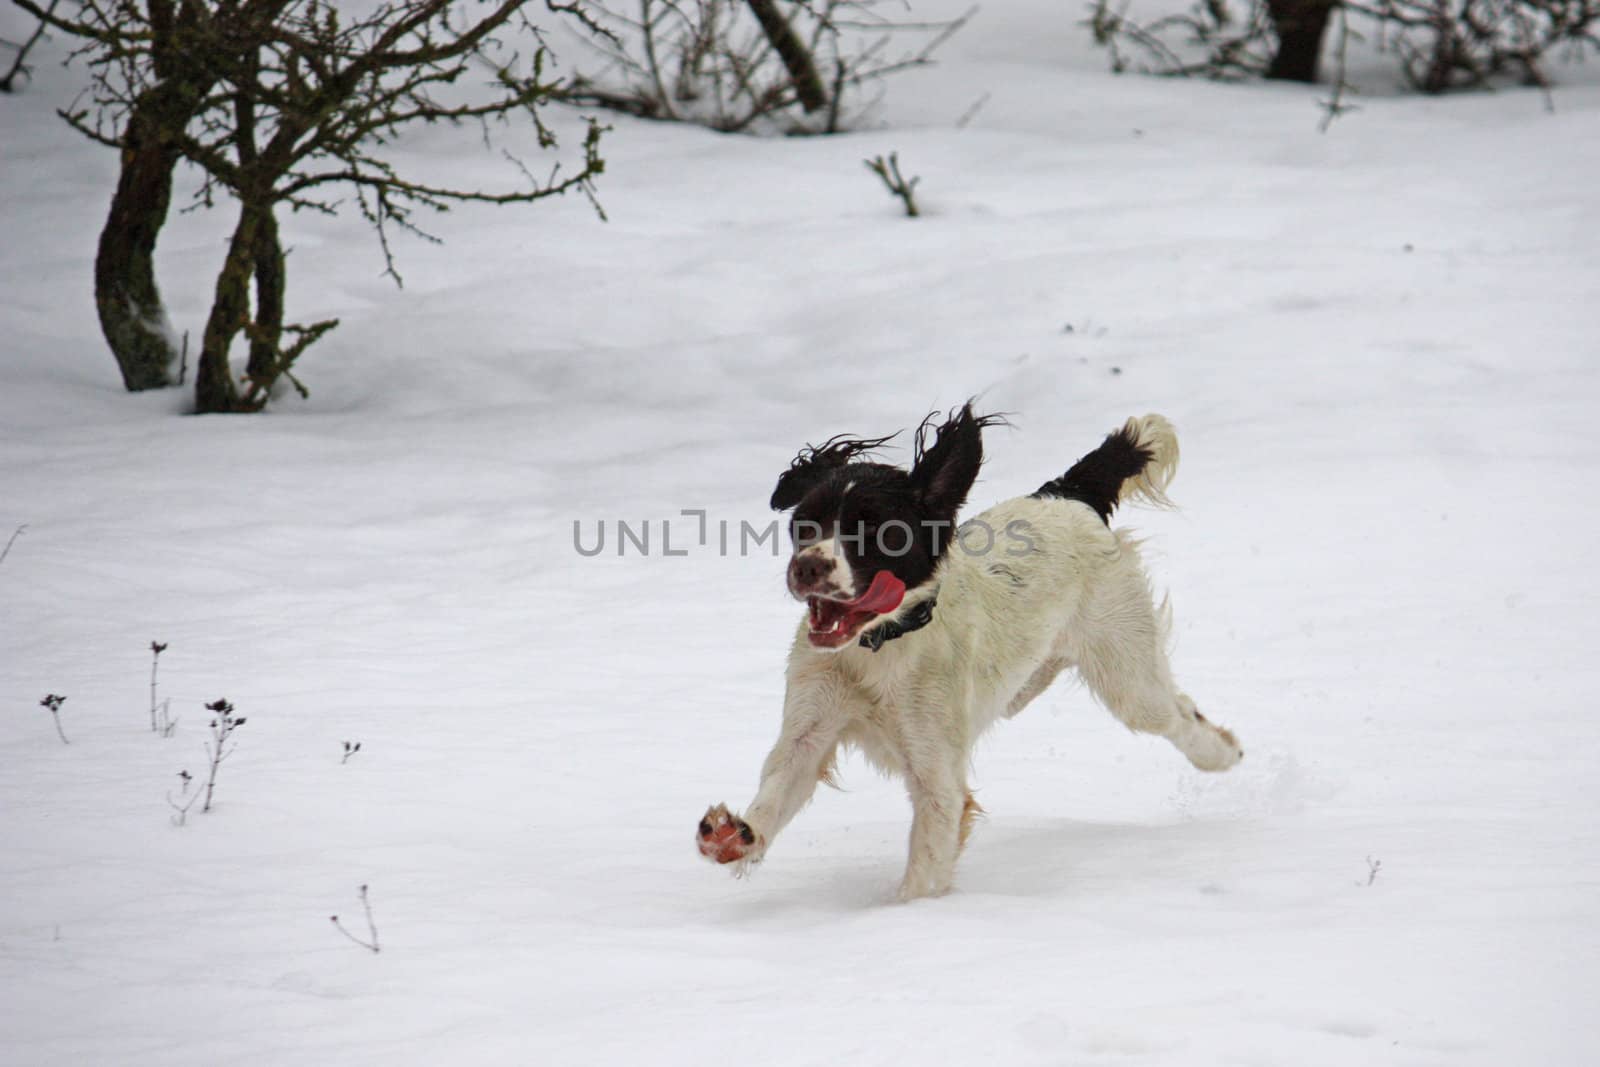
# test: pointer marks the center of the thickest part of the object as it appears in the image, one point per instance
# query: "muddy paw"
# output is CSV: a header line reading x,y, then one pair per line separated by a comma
x,y
723,837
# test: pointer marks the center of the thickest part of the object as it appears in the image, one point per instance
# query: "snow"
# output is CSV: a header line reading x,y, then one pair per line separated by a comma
x,y
1377,344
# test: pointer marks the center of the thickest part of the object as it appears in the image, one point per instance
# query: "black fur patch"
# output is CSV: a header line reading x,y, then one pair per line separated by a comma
x,y
886,518
1097,478
816,462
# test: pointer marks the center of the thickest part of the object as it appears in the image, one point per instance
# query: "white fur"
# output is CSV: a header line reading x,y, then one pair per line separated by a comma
x,y
1004,625
1149,486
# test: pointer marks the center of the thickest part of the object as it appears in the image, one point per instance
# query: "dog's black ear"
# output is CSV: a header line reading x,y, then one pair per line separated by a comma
x,y
816,462
945,470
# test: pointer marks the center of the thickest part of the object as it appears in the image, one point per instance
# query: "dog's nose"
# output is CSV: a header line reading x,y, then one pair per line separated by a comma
x,y
807,571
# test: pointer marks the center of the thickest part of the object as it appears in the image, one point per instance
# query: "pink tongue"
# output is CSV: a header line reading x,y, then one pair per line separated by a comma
x,y
883,595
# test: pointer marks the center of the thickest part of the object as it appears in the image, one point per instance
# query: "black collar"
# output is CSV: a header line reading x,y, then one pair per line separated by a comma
x,y
920,615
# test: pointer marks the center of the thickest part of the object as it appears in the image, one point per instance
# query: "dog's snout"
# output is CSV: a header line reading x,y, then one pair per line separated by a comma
x,y
806,571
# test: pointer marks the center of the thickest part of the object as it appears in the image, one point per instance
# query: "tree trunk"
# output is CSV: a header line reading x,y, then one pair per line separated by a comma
x,y
132,317
214,387
266,255
270,281
792,51
1300,25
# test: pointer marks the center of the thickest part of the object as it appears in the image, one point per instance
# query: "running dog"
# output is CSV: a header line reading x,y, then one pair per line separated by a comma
x,y
920,635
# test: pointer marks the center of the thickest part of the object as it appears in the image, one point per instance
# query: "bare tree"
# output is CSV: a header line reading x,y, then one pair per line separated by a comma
x,y
279,102
737,65
1441,44
151,75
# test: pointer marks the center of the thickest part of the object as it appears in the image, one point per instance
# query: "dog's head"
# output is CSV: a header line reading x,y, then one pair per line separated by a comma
x,y
865,533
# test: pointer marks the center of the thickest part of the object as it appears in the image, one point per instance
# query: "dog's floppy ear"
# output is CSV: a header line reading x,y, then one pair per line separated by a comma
x,y
945,470
816,462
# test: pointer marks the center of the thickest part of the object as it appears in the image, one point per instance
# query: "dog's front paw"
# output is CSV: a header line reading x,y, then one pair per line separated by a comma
x,y
918,884
723,837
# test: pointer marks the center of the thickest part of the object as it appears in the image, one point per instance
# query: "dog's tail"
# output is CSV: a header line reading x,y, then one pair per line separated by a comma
x,y
1134,463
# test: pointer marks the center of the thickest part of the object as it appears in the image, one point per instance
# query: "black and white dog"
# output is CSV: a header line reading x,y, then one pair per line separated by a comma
x,y
920,636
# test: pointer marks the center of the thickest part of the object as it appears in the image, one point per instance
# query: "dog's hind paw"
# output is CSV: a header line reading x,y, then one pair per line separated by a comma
x,y
1209,747
723,837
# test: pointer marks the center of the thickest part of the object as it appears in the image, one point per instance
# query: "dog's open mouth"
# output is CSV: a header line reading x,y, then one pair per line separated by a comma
x,y
834,623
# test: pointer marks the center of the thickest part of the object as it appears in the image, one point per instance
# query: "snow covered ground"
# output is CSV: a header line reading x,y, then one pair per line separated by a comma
x,y
1379,346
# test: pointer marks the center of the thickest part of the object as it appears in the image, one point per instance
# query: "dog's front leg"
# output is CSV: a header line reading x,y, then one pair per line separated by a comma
x,y
935,754
938,803
815,711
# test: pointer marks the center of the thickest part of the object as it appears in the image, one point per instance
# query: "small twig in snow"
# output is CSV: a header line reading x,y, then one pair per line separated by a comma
x,y
890,173
14,535
183,809
972,112
54,703
372,927
156,648
166,725
222,728
1334,106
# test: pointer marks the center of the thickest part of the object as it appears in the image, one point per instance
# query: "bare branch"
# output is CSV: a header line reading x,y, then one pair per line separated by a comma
x,y
1441,45
19,66
305,337
11,541
1334,106
736,65
91,30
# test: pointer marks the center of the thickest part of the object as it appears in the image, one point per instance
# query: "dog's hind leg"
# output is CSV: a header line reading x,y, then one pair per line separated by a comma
x,y
1208,746
1036,684
1118,641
